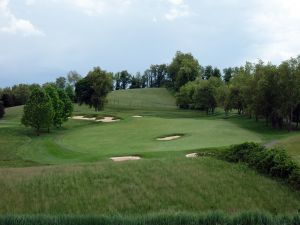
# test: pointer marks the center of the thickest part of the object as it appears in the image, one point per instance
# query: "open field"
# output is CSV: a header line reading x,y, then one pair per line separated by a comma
x,y
69,170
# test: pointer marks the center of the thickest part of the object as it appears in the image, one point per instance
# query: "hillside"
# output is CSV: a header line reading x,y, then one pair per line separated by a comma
x,y
70,170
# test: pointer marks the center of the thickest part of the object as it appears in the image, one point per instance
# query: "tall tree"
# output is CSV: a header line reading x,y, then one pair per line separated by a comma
x,y
58,106
227,74
184,68
67,104
61,82
125,79
208,72
38,111
73,77
93,89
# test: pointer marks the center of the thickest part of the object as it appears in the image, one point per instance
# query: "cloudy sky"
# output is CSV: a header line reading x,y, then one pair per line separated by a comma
x,y
43,39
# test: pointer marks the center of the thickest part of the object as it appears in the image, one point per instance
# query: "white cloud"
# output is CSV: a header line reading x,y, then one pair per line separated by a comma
x,y
95,7
178,9
275,28
13,25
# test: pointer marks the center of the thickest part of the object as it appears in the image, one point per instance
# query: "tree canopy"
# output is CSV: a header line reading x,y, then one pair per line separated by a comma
x,y
93,89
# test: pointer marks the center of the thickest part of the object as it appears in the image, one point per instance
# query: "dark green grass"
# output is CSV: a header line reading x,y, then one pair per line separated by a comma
x,y
211,218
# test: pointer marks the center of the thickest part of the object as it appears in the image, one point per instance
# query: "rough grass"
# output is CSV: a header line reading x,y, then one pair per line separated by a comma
x,y
169,184
211,218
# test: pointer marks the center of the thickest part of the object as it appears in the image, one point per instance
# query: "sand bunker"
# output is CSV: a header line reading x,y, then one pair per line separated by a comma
x,y
125,158
108,120
83,118
170,138
104,119
191,155
137,116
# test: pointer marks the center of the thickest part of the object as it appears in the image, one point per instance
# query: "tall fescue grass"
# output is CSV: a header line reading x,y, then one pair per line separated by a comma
x,y
210,218
274,162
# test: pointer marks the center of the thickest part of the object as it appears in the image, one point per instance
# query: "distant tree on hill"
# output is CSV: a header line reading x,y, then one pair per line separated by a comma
x,y
93,89
136,81
227,74
208,72
38,111
61,82
73,78
184,68
2,109
124,79
70,92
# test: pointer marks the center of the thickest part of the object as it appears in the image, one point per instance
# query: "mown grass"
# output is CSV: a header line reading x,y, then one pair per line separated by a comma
x,y
211,218
85,141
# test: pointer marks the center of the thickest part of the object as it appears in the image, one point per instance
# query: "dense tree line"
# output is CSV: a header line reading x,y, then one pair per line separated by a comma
x,y
2,109
260,91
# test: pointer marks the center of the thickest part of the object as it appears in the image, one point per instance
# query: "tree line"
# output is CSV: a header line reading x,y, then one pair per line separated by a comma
x,y
257,90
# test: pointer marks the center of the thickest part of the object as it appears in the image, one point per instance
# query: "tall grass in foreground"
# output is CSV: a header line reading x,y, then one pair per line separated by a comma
x,y
211,218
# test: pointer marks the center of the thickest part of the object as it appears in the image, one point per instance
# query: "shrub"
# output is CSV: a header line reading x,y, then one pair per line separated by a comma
x,y
274,162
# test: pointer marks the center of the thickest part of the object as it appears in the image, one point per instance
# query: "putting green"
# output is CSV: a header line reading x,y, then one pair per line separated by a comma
x,y
138,136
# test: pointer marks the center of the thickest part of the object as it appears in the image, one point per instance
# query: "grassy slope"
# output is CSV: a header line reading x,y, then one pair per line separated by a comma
x,y
149,185
163,181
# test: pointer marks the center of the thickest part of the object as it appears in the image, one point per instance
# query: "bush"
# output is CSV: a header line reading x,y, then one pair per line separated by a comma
x,y
2,110
274,162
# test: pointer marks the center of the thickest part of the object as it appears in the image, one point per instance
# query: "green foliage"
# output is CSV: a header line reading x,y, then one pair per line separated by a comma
x,y
210,218
184,68
2,109
70,92
38,111
58,105
204,97
67,104
93,89
61,82
274,162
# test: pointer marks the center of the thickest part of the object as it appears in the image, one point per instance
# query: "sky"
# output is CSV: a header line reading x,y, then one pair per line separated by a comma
x,y
41,40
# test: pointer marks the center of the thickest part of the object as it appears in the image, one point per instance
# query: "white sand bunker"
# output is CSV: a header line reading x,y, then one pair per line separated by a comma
x,y
137,116
83,118
125,158
170,138
108,120
104,119
191,155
